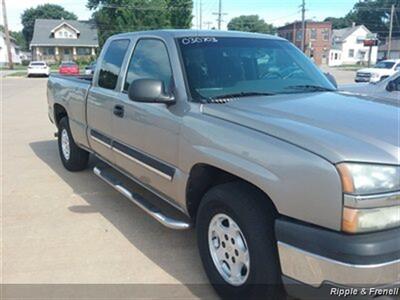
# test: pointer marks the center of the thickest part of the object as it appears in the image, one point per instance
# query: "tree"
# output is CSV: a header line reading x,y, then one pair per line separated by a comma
x,y
45,11
180,13
251,23
116,16
374,14
338,23
18,37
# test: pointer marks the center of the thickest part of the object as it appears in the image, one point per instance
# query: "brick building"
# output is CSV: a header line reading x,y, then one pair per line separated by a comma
x,y
317,39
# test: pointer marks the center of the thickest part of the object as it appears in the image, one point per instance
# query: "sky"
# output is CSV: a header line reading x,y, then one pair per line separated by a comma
x,y
277,12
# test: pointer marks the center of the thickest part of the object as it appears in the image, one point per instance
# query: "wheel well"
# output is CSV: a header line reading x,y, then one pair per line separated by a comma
x,y
59,113
203,177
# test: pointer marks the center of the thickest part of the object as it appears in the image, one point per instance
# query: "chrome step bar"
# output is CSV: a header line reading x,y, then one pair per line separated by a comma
x,y
142,203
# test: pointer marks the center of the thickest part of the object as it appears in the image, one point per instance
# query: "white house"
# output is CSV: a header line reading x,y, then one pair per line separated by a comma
x,y
15,52
348,46
61,40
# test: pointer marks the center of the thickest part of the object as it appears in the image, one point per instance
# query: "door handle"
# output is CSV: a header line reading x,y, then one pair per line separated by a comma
x,y
119,111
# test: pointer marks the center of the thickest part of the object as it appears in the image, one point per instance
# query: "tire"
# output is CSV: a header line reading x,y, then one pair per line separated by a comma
x,y
254,214
72,157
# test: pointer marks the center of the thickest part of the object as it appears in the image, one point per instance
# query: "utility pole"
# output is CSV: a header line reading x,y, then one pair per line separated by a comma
x,y
390,32
8,42
201,14
219,14
303,25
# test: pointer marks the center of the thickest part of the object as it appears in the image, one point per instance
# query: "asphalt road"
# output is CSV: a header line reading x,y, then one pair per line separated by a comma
x,y
62,227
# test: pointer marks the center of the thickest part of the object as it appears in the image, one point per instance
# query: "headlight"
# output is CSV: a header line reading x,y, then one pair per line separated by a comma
x,y
361,179
371,197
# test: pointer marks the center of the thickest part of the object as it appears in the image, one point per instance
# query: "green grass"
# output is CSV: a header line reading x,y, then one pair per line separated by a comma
x,y
17,74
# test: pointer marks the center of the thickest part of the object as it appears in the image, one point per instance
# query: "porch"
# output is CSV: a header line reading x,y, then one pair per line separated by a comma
x,y
57,54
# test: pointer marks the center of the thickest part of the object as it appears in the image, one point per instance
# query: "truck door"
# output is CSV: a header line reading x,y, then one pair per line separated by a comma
x,y
102,98
146,135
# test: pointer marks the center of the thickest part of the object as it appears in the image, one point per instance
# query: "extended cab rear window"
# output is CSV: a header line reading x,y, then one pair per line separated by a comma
x,y
111,64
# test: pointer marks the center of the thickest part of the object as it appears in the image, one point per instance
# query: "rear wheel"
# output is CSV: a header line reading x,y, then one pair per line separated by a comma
x,y
235,233
72,157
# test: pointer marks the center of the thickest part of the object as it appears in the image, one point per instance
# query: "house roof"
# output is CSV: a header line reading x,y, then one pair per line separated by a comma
x,y
64,24
342,34
12,40
42,33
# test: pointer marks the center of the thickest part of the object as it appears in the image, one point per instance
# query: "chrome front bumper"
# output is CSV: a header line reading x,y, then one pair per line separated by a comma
x,y
318,257
314,270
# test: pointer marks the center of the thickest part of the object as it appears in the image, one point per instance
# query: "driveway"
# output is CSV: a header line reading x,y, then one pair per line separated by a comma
x,y
61,227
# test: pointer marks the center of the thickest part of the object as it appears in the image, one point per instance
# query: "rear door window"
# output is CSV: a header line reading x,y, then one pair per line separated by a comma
x,y
111,64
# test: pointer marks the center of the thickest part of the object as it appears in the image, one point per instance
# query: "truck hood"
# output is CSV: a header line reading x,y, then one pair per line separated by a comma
x,y
337,126
375,70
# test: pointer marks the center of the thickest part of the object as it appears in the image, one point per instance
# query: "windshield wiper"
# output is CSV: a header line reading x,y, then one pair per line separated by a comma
x,y
310,88
242,94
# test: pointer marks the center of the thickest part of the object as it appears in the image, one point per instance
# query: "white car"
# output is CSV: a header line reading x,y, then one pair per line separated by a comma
x,y
38,68
380,71
388,90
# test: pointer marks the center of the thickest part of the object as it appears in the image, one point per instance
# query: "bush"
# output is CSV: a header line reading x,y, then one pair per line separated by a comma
x,y
83,61
25,62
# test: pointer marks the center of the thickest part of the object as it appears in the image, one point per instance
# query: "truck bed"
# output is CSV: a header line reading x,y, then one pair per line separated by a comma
x,y
80,77
71,92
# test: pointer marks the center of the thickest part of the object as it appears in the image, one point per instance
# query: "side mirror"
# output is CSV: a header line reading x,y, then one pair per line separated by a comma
x,y
332,79
149,90
391,86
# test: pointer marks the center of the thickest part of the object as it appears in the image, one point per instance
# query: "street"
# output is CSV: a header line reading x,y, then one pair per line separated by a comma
x,y
62,227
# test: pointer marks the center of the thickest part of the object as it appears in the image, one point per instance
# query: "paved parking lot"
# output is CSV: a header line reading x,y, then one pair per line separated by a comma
x,y
342,76
61,227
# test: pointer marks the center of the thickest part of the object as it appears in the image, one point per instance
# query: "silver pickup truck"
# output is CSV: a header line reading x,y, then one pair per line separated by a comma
x,y
241,136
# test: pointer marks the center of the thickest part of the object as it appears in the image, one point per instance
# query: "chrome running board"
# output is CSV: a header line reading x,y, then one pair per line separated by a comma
x,y
147,206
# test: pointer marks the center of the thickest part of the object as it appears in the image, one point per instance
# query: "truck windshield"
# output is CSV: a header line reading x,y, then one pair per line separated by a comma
x,y
384,65
247,66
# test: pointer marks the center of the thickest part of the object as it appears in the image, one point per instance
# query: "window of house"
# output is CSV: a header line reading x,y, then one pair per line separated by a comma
x,y
149,60
299,35
48,51
351,52
111,64
325,34
83,51
313,34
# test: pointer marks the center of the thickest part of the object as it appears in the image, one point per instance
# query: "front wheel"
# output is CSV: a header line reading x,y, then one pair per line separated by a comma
x,y
72,157
236,240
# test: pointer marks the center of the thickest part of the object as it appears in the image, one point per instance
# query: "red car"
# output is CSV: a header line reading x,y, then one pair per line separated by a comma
x,y
69,68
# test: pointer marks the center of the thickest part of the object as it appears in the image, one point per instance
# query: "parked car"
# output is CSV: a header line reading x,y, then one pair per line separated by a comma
x,y
380,71
387,90
241,136
69,68
38,68
89,69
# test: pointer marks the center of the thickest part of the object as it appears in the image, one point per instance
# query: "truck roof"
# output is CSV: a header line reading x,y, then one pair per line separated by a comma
x,y
180,33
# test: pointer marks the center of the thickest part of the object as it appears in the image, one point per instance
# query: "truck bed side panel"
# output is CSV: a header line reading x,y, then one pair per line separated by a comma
x,y
71,93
